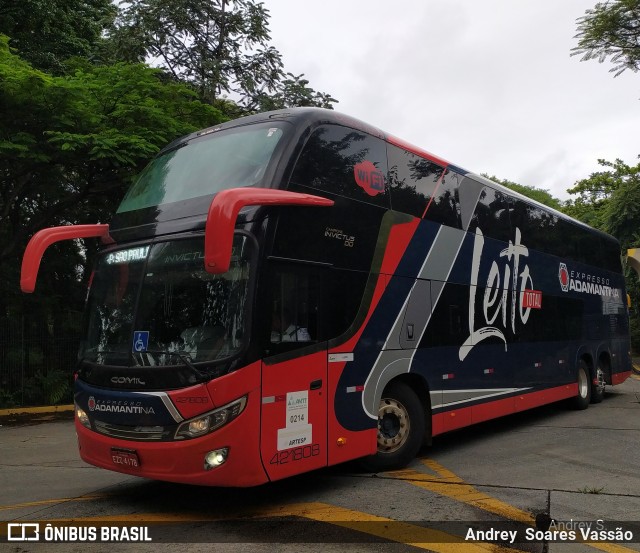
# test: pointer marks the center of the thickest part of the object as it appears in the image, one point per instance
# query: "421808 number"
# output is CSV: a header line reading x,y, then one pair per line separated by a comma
x,y
296,454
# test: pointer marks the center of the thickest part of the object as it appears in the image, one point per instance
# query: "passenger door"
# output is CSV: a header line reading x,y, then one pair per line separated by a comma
x,y
294,372
293,437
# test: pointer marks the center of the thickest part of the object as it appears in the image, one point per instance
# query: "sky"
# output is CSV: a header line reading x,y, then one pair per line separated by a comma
x,y
488,85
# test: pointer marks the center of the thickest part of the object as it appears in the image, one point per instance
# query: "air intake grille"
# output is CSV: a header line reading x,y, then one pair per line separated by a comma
x,y
137,433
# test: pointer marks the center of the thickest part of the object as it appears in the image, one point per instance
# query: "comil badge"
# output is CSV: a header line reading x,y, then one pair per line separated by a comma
x,y
563,276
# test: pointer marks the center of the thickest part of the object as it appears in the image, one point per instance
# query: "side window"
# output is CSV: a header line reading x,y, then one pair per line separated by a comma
x,y
412,181
539,228
346,162
423,188
444,206
492,215
569,247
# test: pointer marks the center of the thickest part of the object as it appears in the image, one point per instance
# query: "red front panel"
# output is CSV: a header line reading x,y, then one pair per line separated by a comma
x,y
293,436
183,461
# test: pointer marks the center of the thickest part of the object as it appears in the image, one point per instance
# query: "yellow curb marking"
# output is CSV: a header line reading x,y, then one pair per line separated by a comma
x,y
53,501
451,485
35,410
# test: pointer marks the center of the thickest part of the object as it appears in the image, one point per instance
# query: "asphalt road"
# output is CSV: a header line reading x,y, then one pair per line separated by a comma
x,y
550,463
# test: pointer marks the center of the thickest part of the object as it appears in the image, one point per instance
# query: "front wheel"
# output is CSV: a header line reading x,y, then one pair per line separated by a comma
x,y
582,400
401,429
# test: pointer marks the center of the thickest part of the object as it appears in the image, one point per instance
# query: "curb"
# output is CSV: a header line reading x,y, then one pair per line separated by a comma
x,y
17,416
50,410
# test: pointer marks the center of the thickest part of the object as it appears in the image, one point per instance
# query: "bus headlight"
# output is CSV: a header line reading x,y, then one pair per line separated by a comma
x,y
204,424
82,416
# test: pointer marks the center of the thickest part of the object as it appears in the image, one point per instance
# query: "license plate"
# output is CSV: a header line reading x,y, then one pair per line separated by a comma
x,y
125,458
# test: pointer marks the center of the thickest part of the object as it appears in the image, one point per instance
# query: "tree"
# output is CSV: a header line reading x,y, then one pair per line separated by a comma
x,y
594,193
47,33
621,213
539,194
73,144
68,151
291,91
221,47
611,30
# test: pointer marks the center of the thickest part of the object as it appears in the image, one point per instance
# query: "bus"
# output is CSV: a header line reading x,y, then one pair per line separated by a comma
x,y
296,289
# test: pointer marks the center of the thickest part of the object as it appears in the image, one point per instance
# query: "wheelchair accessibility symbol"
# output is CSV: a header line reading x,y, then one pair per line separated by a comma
x,y
140,340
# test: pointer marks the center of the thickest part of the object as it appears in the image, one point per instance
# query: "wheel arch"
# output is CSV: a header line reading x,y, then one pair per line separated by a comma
x,y
397,369
604,358
586,355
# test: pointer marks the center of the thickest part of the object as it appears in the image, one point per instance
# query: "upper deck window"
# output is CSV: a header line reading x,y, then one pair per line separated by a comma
x,y
205,165
346,162
423,188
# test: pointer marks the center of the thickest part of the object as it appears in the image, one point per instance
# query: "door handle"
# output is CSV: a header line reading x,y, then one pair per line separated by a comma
x,y
316,384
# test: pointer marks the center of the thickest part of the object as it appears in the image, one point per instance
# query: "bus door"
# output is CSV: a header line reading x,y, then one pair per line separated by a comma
x,y
293,437
294,415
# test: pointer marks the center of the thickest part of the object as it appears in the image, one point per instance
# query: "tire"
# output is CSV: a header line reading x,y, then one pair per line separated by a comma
x,y
582,400
599,384
401,429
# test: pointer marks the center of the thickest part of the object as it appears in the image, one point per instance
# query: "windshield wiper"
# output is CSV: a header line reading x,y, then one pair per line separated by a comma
x,y
184,356
137,359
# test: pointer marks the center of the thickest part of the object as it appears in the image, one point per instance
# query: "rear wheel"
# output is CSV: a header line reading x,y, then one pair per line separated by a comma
x,y
401,429
599,383
582,400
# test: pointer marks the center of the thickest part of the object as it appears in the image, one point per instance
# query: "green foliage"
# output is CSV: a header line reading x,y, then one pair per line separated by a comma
x,y
622,211
49,388
47,33
68,151
221,47
73,143
291,91
539,194
611,30
607,200
593,195
8,399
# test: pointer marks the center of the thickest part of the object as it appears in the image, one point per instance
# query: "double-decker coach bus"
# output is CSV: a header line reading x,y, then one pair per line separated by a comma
x,y
296,289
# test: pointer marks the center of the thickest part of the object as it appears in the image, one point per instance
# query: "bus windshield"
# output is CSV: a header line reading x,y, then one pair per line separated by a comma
x,y
157,306
205,165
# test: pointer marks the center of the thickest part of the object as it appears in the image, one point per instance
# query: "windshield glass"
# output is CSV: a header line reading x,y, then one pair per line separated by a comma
x,y
205,165
184,314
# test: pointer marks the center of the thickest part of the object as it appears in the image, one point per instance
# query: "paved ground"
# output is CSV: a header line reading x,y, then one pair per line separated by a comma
x,y
569,465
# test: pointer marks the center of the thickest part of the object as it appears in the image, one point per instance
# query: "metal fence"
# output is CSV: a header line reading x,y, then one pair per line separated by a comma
x,y
36,362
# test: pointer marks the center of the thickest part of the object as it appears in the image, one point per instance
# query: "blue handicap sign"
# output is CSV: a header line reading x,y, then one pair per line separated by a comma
x,y
140,340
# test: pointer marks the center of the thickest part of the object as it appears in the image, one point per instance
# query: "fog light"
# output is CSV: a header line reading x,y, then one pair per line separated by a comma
x,y
215,458
82,417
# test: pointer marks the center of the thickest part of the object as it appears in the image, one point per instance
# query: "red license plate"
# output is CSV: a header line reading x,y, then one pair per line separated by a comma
x,y
125,458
